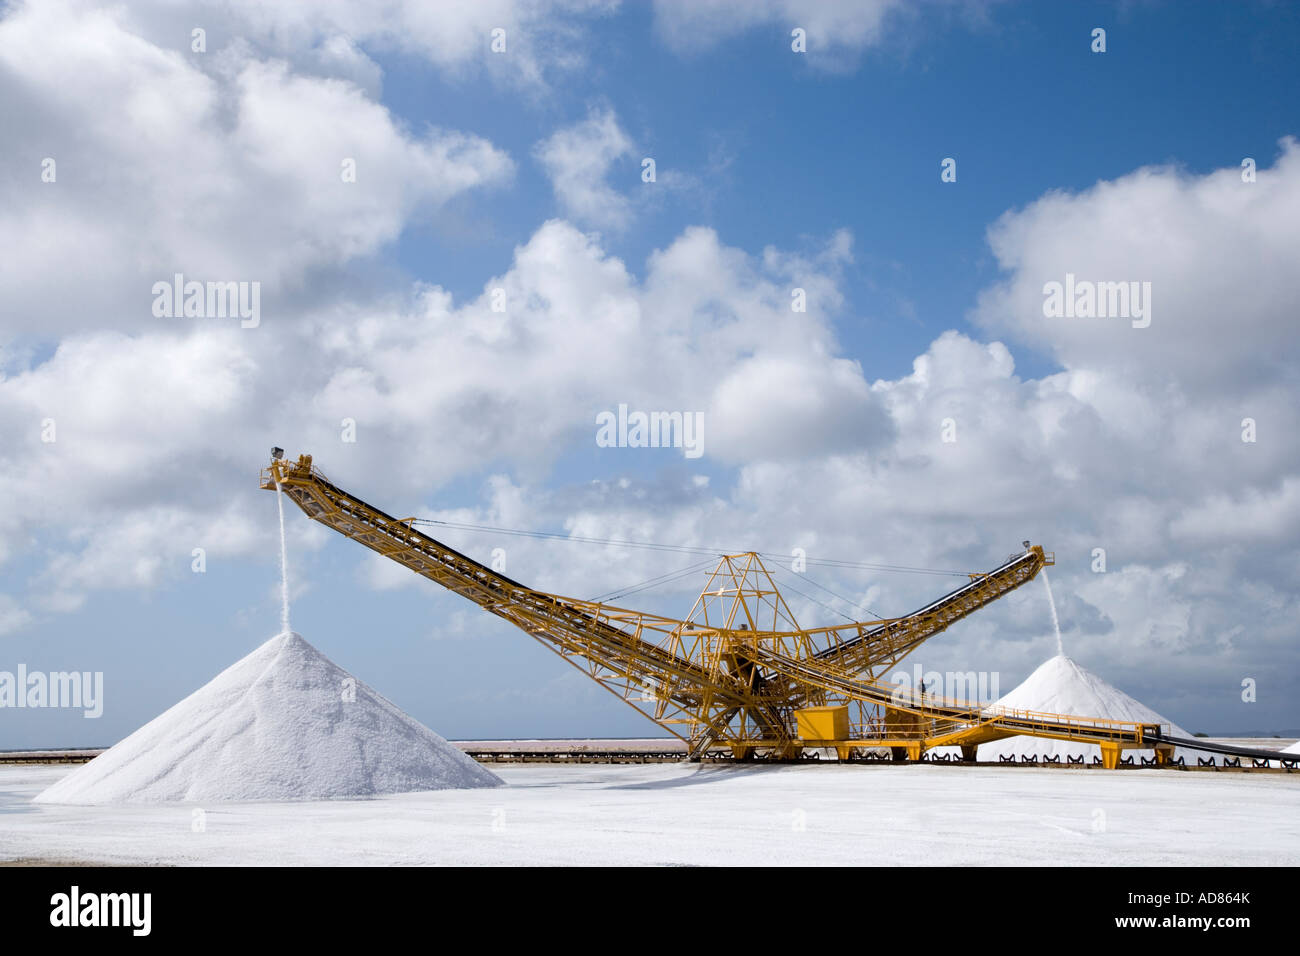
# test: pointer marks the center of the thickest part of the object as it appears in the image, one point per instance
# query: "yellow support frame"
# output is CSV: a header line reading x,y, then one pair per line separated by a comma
x,y
737,671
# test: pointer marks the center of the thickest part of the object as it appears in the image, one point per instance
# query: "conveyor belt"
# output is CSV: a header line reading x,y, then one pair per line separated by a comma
x,y
1197,743
1066,726
954,595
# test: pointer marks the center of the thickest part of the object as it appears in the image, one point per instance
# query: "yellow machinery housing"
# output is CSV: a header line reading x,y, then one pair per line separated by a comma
x,y
737,672
823,724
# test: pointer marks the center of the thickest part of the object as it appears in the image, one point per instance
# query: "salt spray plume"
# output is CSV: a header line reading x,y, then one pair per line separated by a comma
x,y
284,566
1060,648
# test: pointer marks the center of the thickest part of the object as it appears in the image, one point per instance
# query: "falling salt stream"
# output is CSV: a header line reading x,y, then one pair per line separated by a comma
x,y
1060,648
284,567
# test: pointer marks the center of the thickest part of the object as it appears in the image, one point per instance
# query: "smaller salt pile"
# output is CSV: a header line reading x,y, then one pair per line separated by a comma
x,y
1293,749
283,723
1060,686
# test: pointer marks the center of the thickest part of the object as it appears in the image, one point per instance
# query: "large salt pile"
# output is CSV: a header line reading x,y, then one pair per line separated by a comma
x,y
1060,686
1293,749
283,723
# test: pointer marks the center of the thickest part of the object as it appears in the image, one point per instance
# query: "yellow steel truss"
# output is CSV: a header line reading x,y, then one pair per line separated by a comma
x,y
739,670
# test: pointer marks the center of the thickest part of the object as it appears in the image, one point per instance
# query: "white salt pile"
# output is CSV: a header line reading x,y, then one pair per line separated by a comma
x,y
283,723
1293,749
1060,686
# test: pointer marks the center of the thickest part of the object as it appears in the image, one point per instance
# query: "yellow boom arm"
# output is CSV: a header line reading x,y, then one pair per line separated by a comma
x,y
722,680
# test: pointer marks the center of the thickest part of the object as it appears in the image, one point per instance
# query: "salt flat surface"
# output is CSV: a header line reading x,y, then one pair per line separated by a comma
x,y
683,814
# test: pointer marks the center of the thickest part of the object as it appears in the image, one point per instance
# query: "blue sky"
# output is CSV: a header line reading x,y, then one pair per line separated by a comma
x,y
1015,96
768,150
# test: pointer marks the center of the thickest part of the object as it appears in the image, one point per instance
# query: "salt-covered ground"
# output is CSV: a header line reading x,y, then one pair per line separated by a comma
x,y
702,814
